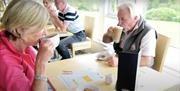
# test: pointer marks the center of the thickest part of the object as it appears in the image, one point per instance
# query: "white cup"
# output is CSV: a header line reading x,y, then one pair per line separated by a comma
x,y
117,33
54,38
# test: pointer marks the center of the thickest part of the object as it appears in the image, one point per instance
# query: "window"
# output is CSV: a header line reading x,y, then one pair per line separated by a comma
x,y
85,5
165,16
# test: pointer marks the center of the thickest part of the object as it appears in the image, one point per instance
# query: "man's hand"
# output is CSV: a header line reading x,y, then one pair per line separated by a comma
x,y
108,36
112,61
146,61
110,31
49,7
46,3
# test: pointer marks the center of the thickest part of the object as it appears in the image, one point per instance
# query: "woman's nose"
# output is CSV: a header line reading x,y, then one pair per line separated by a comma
x,y
44,33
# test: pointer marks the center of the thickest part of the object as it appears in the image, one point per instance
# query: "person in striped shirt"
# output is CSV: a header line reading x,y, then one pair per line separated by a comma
x,y
67,19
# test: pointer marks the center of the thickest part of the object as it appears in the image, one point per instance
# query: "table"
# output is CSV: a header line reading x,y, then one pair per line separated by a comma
x,y
148,79
52,30
56,68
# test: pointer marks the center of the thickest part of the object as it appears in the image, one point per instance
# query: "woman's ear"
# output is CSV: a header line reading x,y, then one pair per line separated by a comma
x,y
18,33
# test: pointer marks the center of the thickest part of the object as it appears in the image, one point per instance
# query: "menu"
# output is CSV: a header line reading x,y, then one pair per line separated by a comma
x,y
75,79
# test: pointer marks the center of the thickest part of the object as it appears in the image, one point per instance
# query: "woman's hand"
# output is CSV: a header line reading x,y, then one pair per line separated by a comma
x,y
45,51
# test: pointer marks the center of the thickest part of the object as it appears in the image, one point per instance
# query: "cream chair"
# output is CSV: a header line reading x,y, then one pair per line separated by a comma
x,y
161,51
89,27
2,6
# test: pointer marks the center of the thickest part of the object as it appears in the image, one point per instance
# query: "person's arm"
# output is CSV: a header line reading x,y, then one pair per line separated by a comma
x,y
40,85
146,61
58,23
108,36
54,17
17,75
44,53
148,47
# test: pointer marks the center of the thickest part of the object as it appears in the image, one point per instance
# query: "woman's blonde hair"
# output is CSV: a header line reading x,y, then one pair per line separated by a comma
x,y
24,14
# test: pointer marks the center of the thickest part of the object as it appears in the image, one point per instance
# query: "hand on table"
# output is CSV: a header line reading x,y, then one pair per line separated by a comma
x,y
112,61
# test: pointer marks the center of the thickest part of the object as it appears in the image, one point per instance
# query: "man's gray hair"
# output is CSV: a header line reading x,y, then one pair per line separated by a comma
x,y
63,1
130,6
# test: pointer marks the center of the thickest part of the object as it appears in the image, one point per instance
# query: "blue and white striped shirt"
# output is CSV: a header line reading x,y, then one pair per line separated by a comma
x,y
71,17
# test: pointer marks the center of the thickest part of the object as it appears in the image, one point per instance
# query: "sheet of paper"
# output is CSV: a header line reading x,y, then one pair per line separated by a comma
x,y
74,79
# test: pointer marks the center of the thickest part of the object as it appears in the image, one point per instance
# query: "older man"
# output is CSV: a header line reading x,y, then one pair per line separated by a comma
x,y
137,35
67,19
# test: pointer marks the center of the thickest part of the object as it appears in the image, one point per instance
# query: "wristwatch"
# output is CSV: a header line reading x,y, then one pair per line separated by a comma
x,y
41,77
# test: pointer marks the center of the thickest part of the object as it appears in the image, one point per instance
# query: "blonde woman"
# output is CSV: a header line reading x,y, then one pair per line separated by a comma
x,y
21,69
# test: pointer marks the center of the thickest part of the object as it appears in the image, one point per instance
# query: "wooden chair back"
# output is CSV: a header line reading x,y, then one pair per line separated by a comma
x,y
162,46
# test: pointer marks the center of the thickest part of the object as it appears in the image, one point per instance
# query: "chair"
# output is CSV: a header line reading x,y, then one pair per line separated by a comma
x,y
161,51
89,27
2,6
